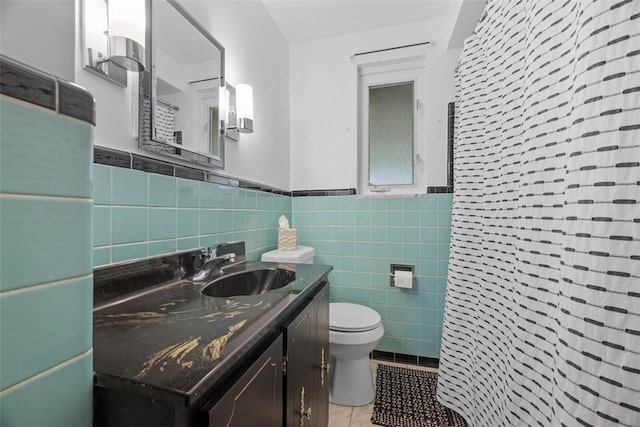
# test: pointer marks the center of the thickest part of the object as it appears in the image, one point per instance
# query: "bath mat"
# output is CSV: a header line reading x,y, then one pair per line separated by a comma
x,y
407,398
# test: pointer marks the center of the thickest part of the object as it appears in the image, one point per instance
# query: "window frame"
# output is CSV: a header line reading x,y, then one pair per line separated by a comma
x,y
391,73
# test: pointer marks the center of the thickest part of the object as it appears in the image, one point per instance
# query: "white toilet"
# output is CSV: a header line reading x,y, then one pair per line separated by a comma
x,y
354,331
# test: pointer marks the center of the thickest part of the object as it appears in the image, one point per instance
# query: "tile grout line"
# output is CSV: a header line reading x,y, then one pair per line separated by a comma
x,y
110,215
148,212
47,371
45,197
59,282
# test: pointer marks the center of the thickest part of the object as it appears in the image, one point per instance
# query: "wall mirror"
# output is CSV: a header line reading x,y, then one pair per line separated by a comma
x,y
180,108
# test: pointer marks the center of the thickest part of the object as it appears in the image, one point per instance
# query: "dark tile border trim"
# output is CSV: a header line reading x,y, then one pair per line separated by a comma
x,y
189,173
451,117
410,359
152,165
124,159
28,84
429,362
110,157
439,189
338,192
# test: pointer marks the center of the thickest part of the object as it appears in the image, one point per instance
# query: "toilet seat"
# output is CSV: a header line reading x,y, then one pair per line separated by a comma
x,y
347,317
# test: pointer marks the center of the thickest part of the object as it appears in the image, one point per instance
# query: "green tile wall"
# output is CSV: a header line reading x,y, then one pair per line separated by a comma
x,y
361,237
46,288
138,214
46,399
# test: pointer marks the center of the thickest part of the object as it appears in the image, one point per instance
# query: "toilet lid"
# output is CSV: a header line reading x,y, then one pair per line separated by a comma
x,y
348,317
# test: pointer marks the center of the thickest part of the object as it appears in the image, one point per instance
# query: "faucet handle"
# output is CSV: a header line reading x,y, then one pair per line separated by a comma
x,y
206,252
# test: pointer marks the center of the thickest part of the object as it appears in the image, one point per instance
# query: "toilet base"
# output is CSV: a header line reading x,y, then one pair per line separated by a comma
x,y
351,382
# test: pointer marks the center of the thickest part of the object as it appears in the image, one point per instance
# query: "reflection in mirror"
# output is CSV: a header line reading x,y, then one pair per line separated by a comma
x,y
180,104
231,125
239,110
95,43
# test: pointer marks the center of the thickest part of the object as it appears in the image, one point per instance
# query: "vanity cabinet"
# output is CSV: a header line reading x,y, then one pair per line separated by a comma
x,y
307,356
277,377
256,398
322,347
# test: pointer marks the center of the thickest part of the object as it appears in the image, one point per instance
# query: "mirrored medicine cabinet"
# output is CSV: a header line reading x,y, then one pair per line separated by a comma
x,y
179,105
180,109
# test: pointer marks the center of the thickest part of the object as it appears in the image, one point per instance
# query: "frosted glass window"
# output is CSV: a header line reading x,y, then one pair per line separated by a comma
x,y
391,134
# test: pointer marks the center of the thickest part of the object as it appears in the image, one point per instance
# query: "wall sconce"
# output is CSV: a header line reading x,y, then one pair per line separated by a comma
x,y
114,38
239,110
245,108
127,25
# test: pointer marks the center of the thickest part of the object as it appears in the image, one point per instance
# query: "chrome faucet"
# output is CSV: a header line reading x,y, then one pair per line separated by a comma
x,y
215,257
212,264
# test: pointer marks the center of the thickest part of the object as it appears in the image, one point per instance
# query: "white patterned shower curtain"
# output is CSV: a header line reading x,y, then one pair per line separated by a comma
x,y
542,317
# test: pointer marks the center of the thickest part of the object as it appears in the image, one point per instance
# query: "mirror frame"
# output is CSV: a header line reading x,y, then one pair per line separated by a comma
x,y
194,156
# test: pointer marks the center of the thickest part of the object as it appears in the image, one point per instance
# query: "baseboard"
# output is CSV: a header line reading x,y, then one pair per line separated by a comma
x,y
410,359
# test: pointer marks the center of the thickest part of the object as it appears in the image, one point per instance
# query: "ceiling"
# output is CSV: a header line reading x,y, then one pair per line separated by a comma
x,y
304,20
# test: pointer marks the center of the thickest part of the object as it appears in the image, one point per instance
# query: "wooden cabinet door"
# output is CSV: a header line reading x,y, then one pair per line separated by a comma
x,y
321,351
256,398
300,365
307,401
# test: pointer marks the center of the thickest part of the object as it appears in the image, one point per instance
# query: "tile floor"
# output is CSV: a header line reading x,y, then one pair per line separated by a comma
x,y
360,416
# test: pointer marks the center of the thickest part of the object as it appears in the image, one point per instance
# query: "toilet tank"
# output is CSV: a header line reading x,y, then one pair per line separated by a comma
x,y
302,255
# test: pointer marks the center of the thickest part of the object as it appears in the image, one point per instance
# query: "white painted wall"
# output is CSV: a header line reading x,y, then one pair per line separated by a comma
x,y
305,126
39,33
323,103
257,54
462,17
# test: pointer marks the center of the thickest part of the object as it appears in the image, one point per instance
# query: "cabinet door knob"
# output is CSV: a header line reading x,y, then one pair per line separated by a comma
x,y
325,366
322,367
304,413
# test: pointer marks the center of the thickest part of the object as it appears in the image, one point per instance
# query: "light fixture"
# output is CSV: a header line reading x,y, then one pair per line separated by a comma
x,y
239,110
244,108
114,33
127,24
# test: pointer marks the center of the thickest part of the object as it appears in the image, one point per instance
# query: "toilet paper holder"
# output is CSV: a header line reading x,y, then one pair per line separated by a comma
x,y
402,269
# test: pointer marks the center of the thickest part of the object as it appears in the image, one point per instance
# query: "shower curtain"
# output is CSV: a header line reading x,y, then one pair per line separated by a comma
x,y
542,316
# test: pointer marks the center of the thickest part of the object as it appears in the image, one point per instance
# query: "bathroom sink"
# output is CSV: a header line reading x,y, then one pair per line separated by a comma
x,y
254,282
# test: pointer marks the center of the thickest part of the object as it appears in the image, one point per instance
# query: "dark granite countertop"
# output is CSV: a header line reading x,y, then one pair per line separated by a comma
x,y
174,344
